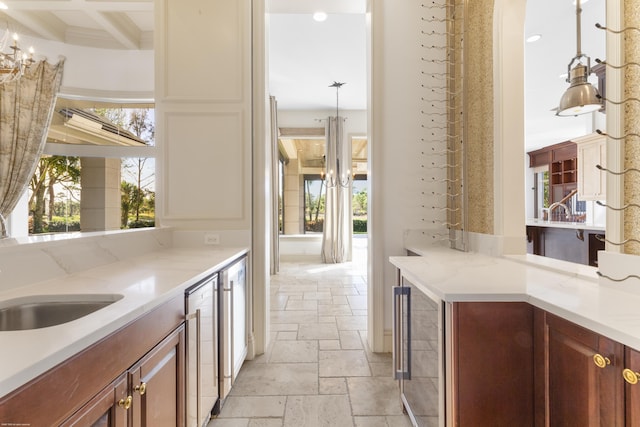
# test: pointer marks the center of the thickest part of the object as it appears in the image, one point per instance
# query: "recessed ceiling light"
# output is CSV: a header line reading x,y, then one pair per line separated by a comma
x,y
581,2
534,38
3,6
320,16
564,76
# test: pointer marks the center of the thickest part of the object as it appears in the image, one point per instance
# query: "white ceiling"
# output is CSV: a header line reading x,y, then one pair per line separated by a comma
x,y
305,56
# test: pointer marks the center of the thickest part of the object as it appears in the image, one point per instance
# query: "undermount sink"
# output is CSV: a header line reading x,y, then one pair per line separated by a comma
x,y
41,311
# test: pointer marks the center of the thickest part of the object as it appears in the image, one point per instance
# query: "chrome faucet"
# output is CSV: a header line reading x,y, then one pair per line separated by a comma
x,y
567,209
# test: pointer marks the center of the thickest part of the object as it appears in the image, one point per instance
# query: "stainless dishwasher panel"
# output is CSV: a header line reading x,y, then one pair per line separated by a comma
x,y
418,354
202,380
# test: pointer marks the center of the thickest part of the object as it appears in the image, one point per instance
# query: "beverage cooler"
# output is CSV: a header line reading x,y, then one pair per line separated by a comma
x,y
202,380
233,323
418,351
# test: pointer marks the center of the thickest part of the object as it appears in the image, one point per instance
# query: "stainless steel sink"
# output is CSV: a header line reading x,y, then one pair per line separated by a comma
x,y
41,311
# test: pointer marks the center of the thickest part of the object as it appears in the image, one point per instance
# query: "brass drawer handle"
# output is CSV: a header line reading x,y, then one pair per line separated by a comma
x,y
125,403
142,388
630,376
601,361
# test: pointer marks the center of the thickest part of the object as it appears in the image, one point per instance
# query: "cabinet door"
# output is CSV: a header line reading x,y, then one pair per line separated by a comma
x,y
107,409
632,362
157,385
579,375
493,364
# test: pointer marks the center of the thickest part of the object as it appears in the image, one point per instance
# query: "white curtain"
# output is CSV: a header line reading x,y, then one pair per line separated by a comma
x,y
337,231
26,108
275,187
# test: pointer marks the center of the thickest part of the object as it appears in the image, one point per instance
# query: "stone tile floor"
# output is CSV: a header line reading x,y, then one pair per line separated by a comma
x,y
317,370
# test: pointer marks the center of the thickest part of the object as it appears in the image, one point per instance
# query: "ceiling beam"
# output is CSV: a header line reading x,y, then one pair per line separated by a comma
x,y
103,6
115,27
45,29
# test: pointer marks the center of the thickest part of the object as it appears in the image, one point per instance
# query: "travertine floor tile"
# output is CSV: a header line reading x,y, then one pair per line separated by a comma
x,y
343,363
276,379
329,344
294,352
374,396
253,407
333,386
319,331
318,411
266,422
350,340
302,304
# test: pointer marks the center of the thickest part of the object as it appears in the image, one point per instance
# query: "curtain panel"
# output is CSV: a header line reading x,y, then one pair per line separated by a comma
x,y
26,109
337,233
275,186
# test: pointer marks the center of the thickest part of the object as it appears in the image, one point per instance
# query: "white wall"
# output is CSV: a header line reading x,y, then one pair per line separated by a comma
x,y
399,158
102,73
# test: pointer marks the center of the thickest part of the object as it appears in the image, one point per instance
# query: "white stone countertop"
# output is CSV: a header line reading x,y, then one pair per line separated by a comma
x,y
564,224
574,294
145,281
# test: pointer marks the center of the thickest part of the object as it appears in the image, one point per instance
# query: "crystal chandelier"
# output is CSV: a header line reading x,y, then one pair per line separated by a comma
x,y
13,61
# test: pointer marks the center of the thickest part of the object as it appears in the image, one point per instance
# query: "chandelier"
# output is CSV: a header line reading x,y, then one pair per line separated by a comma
x,y
13,61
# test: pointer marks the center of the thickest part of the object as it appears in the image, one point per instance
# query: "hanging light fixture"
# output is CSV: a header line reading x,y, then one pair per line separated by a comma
x,y
14,62
337,177
581,97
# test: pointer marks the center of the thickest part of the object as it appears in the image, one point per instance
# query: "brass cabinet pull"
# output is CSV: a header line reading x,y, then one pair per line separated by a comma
x,y
630,376
142,388
125,403
601,361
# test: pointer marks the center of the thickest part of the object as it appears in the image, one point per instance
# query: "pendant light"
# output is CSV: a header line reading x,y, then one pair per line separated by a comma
x,y
581,97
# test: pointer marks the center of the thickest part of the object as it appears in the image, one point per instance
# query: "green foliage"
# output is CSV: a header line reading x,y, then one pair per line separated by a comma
x,y
63,226
360,202
142,223
359,225
314,226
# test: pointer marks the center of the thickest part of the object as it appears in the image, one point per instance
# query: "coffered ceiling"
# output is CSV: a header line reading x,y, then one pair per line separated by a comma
x,y
115,24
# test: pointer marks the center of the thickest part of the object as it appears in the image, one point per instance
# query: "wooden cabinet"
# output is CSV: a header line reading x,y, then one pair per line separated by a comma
x,y
632,388
493,380
92,387
156,385
562,159
147,395
592,151
578,375
107,409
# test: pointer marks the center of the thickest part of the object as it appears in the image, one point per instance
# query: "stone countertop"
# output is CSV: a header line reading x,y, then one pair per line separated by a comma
x,y
575,295
562,224
145,281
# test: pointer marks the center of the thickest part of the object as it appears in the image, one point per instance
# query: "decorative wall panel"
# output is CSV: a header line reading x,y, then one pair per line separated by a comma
x,y
206,165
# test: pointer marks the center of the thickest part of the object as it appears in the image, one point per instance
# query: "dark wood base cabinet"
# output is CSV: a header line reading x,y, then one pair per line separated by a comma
x,y
133,377
517,365
493,364
578,372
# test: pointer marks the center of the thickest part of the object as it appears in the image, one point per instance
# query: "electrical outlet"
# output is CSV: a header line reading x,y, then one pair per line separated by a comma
x,y
211,239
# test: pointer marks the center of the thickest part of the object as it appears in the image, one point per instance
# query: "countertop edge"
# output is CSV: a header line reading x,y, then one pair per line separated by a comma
x,y
86,337
583,301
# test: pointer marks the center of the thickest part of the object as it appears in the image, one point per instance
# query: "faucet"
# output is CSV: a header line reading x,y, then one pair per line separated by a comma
x,y
567,209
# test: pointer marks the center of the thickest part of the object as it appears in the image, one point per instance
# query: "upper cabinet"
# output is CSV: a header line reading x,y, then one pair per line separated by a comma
x,y
592,151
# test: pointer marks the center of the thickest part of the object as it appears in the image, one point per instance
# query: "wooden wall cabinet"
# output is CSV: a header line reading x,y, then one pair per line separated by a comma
x,y
592,151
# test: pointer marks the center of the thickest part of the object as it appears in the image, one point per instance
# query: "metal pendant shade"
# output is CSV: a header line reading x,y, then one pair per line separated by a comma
x,y
581,97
